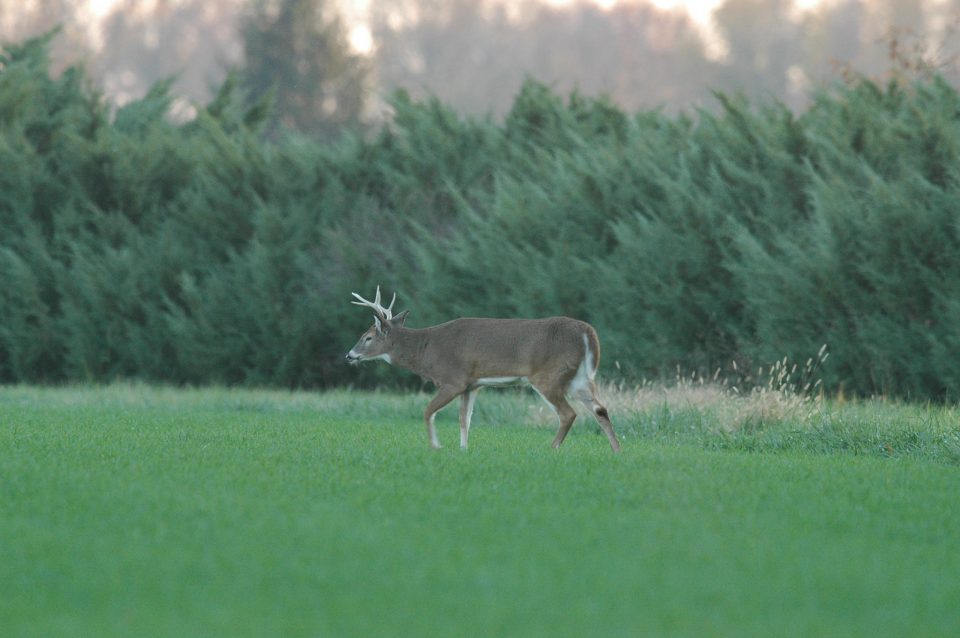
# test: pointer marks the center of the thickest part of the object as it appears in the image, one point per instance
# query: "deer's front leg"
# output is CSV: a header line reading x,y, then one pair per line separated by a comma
x,y
466,412
445,395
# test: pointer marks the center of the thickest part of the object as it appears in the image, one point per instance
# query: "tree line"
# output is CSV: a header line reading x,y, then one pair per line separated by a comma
x,y
476,54
138,246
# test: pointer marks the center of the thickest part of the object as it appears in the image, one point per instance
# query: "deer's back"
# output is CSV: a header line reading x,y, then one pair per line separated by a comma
x,y
510,347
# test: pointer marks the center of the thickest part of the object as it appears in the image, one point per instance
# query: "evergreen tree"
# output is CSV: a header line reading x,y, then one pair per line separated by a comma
x,y
298,51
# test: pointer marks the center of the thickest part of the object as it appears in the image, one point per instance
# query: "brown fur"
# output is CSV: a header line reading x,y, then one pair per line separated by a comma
x,y
457,354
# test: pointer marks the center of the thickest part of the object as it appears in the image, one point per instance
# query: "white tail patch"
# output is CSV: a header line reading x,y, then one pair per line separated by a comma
x,y
580,385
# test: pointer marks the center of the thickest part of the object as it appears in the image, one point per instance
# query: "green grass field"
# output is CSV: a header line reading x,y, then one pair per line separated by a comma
x,y
140,511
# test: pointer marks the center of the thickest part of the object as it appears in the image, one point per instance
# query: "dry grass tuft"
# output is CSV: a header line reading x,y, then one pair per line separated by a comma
x,y
737,402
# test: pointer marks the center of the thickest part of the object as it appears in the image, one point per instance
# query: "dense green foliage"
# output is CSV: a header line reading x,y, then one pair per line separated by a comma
x,y
134,511
134,246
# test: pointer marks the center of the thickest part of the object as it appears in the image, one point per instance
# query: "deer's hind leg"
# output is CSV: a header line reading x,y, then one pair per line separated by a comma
x,y
587,395
552,390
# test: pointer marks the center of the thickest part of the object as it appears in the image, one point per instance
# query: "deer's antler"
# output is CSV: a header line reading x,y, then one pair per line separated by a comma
x,y
383,313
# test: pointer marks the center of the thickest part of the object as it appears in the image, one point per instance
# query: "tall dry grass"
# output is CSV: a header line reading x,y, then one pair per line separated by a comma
x,y
734,401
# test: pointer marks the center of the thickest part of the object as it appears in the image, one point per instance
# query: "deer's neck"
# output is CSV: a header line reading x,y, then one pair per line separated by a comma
x,y
409,345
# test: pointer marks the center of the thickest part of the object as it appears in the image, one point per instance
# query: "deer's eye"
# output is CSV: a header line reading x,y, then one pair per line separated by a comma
x,y
368,340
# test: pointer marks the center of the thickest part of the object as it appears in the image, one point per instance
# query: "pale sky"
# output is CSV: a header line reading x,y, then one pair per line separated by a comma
x,y
356,12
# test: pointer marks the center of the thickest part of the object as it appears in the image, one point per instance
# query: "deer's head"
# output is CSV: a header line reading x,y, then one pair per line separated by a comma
x,y
377,341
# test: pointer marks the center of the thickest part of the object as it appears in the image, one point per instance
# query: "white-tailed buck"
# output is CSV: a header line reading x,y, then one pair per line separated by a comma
x,y
557,356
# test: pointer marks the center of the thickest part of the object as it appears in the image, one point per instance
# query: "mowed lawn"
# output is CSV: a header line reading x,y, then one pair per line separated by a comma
x,y
155,512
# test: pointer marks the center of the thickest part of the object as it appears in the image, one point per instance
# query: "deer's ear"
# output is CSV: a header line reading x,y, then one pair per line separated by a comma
x,y
397,322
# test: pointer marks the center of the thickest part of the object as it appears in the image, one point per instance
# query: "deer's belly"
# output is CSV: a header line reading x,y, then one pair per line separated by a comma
x,y
499,381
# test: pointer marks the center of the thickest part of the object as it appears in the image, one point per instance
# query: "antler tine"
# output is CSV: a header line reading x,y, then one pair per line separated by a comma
x,y
362,302
384,313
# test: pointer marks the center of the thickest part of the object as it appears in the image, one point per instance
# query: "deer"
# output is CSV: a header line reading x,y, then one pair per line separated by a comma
x,y
557,356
